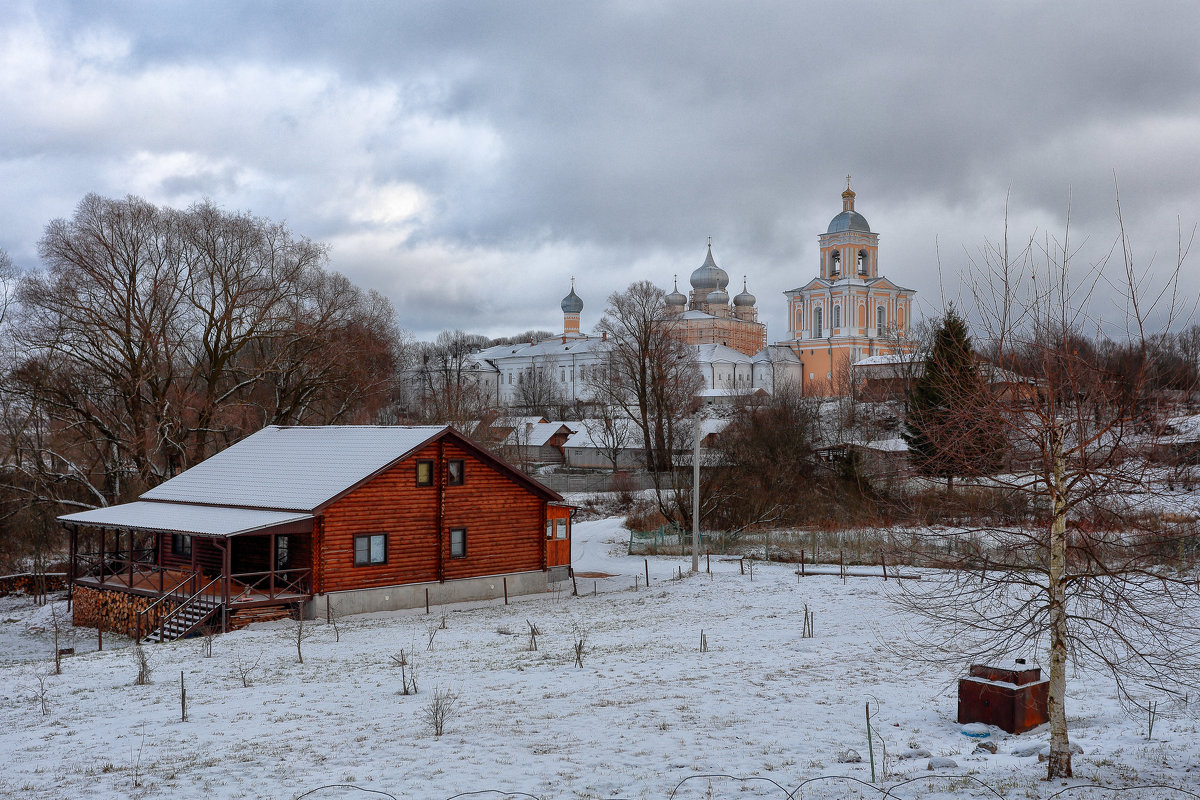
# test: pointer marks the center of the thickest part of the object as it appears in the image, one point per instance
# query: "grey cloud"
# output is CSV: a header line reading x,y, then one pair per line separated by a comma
x,y
632,131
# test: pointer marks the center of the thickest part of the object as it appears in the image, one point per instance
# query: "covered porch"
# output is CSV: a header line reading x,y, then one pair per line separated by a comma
x,y
169,570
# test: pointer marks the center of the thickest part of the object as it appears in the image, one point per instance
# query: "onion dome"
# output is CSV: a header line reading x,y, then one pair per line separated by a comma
x,y
745,298
571,304
718,297
676,298
849,219
708,276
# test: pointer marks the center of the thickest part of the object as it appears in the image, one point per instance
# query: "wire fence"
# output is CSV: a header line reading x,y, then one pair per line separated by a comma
x,y
819,787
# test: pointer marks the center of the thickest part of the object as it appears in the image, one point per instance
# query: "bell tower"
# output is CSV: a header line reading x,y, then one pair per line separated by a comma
x,y
849,249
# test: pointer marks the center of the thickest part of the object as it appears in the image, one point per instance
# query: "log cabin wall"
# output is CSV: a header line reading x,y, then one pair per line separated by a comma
x,y
502,517
207,555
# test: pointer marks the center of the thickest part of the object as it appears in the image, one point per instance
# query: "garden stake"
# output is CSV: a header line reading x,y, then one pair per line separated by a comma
x,y
870,746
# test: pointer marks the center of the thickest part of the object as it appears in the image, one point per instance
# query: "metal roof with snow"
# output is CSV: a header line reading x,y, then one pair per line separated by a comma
x,y
201,520
293,467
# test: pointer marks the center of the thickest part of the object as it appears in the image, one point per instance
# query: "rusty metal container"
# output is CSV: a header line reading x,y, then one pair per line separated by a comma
x,y
1014,697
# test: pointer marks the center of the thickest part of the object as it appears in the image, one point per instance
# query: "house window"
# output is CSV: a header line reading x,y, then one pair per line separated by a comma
x,y
837,316
550,526
370,548
880,319
181,545
454,472
458,542
424,473
281,552
560,529
816,332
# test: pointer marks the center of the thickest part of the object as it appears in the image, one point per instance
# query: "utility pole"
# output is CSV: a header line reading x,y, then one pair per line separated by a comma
x,y
696,499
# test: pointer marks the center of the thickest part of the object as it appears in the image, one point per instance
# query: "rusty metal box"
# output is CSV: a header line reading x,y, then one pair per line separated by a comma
x,y
1013,697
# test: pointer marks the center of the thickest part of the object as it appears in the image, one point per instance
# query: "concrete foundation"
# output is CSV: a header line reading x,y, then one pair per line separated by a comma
x,y
412,595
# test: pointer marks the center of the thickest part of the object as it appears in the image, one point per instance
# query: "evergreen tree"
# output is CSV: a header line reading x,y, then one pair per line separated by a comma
x,y
950,427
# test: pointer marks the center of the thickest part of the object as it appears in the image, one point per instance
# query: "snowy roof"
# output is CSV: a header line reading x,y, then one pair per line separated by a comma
x,y
892,358
536,434
186,518
709,353
695,314
296,468
543,348
776,353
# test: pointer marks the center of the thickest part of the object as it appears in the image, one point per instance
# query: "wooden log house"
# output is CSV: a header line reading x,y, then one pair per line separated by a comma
x,y
315,520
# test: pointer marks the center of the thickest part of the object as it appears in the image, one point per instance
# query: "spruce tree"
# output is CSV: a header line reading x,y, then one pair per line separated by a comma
x,y
951,428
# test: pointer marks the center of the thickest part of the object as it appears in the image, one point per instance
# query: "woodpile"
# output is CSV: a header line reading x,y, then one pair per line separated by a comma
x,y
116,612
29,583
241,617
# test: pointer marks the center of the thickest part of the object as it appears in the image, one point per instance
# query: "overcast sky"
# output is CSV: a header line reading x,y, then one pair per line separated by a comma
x,y
466,159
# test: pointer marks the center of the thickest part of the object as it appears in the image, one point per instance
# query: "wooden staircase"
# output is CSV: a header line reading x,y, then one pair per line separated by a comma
x,y
189,616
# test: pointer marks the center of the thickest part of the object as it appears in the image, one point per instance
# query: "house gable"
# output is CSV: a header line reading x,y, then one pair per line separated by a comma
x,y
501,510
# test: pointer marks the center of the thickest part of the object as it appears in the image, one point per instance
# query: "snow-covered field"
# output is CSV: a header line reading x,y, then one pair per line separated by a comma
x,y
645,711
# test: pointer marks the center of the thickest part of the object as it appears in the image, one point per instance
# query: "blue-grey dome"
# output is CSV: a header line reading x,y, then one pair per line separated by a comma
x,y
745,298
849,221
717,297
571,304
677,298
708,276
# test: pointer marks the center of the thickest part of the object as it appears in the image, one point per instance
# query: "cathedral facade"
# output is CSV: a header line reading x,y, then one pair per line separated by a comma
x,y
849,311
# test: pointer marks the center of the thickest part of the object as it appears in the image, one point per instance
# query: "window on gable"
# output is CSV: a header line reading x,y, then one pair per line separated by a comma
x,y
458,542
181,545
425,473
370,548
455,472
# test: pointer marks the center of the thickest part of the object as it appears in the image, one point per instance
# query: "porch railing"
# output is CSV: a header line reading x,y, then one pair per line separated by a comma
x,y
103,566
275,584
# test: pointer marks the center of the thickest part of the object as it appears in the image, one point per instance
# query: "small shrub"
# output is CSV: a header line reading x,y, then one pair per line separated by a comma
x,y
441,707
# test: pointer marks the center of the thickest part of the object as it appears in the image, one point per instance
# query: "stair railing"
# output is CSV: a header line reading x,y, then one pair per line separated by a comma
x,y
144,614
216,599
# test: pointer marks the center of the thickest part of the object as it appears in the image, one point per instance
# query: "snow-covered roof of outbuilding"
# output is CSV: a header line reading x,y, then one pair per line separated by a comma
x,y
891,358
293,467
202,520
712,353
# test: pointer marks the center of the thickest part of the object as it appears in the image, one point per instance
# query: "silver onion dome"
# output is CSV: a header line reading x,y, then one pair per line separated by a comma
x,y
708,276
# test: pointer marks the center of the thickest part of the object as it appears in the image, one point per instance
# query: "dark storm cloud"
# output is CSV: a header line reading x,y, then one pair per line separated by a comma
x,y
508,146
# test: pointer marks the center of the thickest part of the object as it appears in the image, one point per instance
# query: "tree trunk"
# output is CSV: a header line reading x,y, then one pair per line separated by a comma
x,y
1058,765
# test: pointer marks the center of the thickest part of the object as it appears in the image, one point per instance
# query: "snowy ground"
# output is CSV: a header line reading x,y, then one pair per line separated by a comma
x,y
646,711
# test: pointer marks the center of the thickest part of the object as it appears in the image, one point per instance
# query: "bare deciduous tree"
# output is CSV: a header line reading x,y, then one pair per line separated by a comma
x,y
1099,575
651,376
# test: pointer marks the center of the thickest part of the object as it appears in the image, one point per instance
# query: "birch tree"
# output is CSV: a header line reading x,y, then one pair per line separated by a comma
x,y
1095,572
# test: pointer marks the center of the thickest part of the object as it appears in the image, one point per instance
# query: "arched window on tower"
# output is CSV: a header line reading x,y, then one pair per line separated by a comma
x,y
862,262
835,262
816,331
881,319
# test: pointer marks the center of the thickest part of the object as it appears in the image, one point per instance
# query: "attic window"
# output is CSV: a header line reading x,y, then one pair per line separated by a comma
x,y
424,473
455,474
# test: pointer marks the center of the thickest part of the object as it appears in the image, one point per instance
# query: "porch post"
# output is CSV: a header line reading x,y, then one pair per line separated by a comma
x,y
271,565
129,533
103,537
158,559
227,567
71,563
